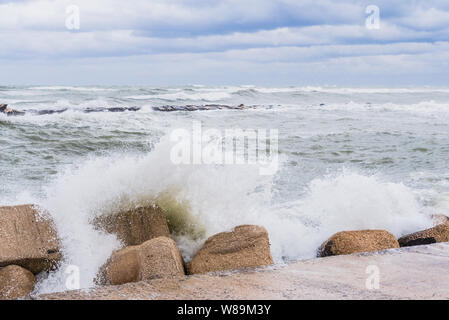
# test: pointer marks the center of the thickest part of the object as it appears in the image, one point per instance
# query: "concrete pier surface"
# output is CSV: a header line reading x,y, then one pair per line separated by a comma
x,y
419,272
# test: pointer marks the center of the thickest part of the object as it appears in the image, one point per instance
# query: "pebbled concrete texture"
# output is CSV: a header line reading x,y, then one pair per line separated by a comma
x,y
419,272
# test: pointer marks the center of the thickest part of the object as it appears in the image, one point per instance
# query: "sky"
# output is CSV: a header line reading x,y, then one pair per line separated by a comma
x,y
225,42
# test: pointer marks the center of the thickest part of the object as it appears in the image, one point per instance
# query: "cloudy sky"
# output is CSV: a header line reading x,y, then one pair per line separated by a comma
x,y
219,42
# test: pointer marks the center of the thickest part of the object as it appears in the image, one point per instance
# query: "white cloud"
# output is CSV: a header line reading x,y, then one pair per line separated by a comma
x,y
430,18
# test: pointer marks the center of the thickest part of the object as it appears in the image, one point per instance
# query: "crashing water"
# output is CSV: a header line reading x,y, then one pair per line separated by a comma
x,y
350,158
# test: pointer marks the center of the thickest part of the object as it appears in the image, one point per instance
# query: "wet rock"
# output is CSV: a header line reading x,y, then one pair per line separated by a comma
x,y
201,107
111,109
15,282
246,246
439,233
10,112
28,239
134,227
156,258
120,109
347,242
47,112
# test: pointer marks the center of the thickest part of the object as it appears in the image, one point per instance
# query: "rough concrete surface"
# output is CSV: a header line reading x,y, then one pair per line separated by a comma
x,y
418,272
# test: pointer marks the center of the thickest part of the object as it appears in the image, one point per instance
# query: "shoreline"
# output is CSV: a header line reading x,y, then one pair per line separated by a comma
x,y
405,273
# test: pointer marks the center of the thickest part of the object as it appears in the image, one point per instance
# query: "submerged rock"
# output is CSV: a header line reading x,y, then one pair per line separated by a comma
x,y
156,258
246,246
134,227
439,233
27,239
111,109
201,107
10,112
15,282
348,242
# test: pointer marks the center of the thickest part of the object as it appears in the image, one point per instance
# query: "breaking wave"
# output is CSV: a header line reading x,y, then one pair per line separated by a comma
x,y
203,200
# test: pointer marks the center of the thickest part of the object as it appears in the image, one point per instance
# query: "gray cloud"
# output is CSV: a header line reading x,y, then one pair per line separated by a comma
x,y
284,37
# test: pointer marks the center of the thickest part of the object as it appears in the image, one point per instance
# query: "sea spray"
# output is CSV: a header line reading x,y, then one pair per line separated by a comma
x,y
343,201
203,200
199,200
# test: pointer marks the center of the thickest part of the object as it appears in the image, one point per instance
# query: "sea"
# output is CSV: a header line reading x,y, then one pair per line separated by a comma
x,y
346,159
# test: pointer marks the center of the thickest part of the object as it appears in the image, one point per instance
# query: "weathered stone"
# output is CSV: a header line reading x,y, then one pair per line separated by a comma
x,y
15,282
156,258
348,242
246,246
27,239
439,233
136,226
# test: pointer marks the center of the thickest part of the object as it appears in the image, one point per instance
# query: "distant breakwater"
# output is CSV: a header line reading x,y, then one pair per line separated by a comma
x,y
169,108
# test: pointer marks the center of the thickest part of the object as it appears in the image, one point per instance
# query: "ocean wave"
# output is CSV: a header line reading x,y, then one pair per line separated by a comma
x,y
422,107
298,96
349,90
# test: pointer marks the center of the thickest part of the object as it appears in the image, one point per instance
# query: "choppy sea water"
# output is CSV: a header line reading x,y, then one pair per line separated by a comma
x,y
350,158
